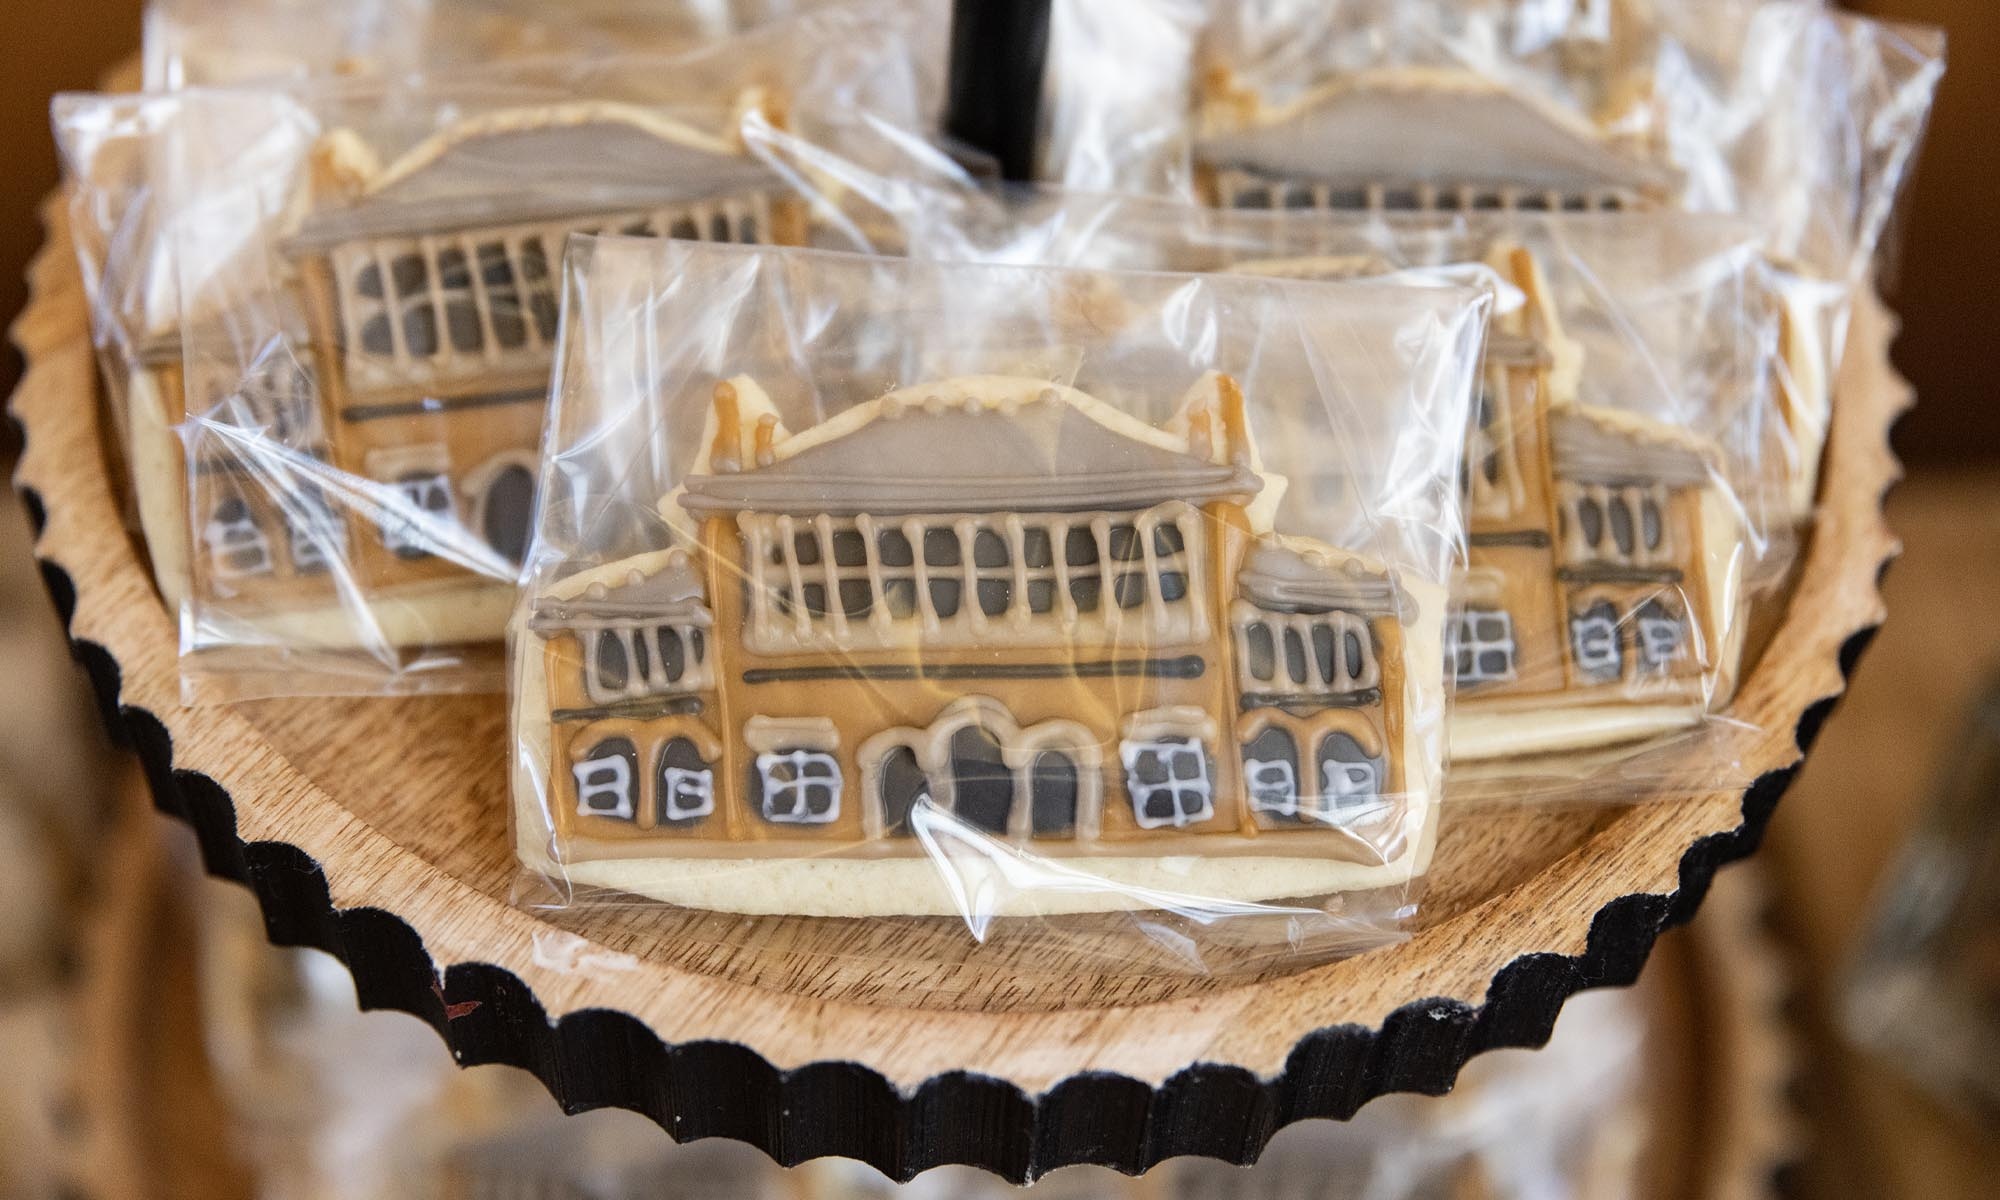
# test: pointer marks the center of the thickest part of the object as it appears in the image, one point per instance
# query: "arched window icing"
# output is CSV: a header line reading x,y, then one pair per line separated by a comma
x,y
1053,791
1350,778
686,785
607,781
1271,773
1595,644
506,508
982,786
237,545
902,786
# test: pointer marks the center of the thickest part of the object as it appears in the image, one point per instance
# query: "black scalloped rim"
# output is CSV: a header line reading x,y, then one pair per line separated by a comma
x,y
598,1058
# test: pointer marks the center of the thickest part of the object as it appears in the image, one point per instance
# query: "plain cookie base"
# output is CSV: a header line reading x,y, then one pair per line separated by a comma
x,y
1478,736
1005,885
153,453
450,613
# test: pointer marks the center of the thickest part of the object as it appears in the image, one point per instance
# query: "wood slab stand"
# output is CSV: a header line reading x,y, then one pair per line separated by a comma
x,y
376,830
155,1119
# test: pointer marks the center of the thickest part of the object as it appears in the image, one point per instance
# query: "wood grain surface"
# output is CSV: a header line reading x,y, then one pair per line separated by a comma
x,y
1873,1130
1719,1058
150,1120
376,828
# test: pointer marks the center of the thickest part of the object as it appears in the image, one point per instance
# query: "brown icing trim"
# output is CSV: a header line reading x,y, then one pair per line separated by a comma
x,y
1537,539
1365,698
430,404
1190,666
1611,574
722,456
633,710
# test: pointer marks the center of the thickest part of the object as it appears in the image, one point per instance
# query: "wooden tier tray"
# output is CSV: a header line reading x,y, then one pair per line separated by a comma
x,y
153,1121
376,830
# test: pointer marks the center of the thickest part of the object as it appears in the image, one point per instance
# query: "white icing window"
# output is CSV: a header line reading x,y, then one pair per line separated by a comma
x,y
947,577
1305,653
391,300
623,661
427,493
473,298
801,787
1274,786
1482,645
1245,189
237,546
468,303
1594,642
1661,636
604,784
317,536
687,794
745,219
1623,525
277,399
1492,476
1350,780
1168,780
1350,787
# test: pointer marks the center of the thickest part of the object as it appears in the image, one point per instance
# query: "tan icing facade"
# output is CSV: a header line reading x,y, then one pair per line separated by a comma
x,y
428,292
1602,593
1600,600
1061,625
1600,604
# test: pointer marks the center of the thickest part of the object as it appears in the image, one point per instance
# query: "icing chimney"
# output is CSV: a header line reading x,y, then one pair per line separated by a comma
x,y
725,454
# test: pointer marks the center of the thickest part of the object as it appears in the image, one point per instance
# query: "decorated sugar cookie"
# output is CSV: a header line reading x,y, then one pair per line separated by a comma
x,y
1603,594
380,458
987,621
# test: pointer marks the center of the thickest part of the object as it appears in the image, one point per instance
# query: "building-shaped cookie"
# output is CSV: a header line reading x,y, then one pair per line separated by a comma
x,y
1451,140
989,610
383,454
1601,601
1603,596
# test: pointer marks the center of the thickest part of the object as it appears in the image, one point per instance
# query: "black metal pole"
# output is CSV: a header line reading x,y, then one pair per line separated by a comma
x,y
993,103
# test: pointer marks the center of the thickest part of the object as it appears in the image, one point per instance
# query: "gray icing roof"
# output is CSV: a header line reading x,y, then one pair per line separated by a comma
x,y
1282,577
594,163
673,593
1045,455
1427,130
1605,445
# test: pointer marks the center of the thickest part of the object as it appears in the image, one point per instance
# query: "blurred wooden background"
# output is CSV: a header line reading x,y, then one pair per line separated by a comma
x,y
51,46
1948,278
